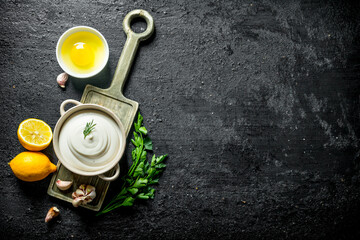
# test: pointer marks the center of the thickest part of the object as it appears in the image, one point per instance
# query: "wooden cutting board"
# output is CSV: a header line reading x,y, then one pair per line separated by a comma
x,y
113,99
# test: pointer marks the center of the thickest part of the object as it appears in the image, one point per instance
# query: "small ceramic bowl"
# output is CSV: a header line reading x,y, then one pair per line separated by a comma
x,y
71,165
67,34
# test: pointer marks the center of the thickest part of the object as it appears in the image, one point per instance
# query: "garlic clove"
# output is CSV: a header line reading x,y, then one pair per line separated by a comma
x,y
79,192
73,195
82,187
91,195
63,185
52,213
89,189
61,79
76,202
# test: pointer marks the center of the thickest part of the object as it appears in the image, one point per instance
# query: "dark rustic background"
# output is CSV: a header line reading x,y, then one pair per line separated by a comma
x,y
256,103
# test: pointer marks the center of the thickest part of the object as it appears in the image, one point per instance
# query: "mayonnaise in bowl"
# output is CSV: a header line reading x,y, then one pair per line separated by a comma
x,y
92,152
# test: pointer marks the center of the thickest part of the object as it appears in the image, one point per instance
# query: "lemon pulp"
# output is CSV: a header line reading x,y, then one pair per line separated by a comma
x,y
83,52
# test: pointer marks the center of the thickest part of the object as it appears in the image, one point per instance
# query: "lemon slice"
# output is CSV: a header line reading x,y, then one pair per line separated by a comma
x,y
34,134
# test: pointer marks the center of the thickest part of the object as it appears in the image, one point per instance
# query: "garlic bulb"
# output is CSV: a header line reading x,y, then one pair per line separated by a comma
x,y
63,185
61,79
83,195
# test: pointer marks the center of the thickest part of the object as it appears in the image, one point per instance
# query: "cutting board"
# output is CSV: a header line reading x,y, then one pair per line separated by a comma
x,y
113,99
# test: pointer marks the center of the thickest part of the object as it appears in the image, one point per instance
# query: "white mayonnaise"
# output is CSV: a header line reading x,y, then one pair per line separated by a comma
x,y
98,148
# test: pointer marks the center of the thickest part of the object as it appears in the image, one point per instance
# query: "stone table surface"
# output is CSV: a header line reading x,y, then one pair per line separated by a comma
x,y
256,103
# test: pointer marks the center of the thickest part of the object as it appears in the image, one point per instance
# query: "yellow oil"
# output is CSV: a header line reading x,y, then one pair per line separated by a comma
x,y
83,52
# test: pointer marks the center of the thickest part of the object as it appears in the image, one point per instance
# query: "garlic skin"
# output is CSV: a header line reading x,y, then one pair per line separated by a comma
x,y
63,185
83,195
61,79
52,213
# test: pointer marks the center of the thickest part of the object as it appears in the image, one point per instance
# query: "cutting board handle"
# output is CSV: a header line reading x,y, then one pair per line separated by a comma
x,y
129,51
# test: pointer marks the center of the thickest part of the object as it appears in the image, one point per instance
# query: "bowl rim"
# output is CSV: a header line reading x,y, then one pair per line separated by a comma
x,y
68,33
63,119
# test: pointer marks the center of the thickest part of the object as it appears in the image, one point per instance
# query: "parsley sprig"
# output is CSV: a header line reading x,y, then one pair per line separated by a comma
x,y
142,174
88,128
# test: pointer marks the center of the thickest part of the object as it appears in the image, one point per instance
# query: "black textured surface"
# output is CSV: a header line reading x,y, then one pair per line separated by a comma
x,y
256,102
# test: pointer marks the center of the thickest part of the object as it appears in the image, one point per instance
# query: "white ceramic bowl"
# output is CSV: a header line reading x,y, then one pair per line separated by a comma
x,y
68,33
71,166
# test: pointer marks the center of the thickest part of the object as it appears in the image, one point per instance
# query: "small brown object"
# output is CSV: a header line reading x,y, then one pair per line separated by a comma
x,y
52,213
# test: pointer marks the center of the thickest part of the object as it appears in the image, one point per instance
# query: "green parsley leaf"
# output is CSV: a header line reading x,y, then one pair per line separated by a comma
x,y
148,144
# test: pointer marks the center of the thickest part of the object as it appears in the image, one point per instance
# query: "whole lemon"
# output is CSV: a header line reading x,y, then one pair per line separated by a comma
x,y
31,166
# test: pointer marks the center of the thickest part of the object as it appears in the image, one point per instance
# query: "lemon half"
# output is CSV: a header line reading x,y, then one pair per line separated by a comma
x,y
34,134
